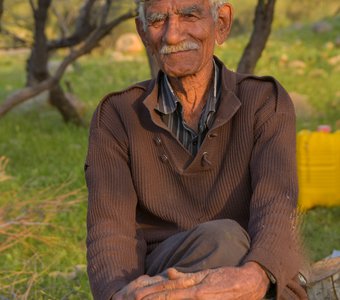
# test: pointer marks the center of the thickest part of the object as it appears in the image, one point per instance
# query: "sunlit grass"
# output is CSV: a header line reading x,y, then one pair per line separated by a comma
x,y
42,243
321,229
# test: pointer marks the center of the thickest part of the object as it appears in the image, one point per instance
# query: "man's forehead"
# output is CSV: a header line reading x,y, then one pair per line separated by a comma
x,y
174,4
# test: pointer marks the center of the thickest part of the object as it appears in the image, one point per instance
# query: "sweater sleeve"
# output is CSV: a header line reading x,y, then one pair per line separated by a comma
x,y
272,223
115,245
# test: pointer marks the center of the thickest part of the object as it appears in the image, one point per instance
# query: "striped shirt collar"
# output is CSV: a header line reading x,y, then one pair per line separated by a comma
x,y
168,102
170,108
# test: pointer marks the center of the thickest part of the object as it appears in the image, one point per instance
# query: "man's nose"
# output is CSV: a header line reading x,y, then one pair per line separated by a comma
x,y
173,31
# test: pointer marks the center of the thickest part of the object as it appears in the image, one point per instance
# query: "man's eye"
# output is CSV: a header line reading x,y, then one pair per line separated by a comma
x,y
155,22
190,17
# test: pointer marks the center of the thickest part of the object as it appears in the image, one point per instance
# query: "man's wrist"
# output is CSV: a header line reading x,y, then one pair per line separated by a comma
x,y
258,269
271,285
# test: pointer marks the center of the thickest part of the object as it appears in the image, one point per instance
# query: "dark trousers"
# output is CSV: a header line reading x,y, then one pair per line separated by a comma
x,y
209,245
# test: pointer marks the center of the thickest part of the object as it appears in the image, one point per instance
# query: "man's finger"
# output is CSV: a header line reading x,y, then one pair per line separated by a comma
x,y
143,281
181,283
183,294
174,274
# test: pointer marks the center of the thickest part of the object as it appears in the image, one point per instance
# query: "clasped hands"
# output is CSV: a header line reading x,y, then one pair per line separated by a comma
x,y
248,282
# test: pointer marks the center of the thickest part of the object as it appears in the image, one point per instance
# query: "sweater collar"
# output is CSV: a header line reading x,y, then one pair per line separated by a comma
x,y
228,106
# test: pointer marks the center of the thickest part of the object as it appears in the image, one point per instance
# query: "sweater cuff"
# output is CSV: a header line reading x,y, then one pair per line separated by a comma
x,y
110,290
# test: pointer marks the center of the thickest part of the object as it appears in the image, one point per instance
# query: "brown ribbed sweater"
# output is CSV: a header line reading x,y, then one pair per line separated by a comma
x,y
145,186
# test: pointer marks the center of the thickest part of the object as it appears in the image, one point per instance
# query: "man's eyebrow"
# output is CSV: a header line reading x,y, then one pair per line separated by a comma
x,y
156,16
190,10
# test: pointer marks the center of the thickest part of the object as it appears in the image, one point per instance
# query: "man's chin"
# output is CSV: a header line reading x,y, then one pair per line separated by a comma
x,y
178,73
179,64
178,69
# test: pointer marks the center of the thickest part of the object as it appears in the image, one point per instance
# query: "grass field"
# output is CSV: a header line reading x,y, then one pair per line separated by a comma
x,y
43,203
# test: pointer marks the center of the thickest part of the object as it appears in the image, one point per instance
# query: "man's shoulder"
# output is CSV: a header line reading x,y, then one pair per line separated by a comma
x,y
120,103
255,89
234,81
261,83
264,90
128,95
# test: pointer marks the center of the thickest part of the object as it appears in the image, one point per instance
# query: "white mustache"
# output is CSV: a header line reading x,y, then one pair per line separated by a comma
x,y
183,46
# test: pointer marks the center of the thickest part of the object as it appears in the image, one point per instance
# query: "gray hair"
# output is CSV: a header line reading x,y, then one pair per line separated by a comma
x,y
215,4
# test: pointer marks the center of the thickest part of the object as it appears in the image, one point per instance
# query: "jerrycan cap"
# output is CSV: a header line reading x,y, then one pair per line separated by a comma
x,y
324,128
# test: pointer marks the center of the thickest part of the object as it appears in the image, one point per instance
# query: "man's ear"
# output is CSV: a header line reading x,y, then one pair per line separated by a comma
x,y
141,31
223,22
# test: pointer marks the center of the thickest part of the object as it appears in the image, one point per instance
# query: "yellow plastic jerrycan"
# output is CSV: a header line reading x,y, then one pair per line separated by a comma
x,y
318,158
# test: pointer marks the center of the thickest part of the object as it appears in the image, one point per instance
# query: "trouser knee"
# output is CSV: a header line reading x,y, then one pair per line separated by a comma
x,y
224,232
209,245
225,239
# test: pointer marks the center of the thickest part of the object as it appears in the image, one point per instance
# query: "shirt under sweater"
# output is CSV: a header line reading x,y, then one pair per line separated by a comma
x,y
170,108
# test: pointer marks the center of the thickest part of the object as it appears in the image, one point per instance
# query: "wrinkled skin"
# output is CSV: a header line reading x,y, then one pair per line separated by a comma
x,y
248,282
172,22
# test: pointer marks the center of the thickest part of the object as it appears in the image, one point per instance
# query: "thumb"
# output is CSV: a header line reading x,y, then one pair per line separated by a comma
x,y
173,274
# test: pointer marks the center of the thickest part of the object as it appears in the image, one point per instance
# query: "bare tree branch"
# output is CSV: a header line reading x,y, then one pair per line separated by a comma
x,y
32,5
105,13
83,28
15,38
93,40
109,26
31,91
22,95
85,14
60,20
264,15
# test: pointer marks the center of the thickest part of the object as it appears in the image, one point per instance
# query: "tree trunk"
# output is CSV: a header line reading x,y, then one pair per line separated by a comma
x,y
37,66
39,79
264,15
69,112
154,68
37,63
1,11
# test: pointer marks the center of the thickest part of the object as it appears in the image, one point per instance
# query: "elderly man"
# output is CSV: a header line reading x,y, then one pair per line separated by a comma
x,y
191,177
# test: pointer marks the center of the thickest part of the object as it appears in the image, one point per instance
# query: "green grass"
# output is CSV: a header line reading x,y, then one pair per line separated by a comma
x,y
46,159
45,153
321,227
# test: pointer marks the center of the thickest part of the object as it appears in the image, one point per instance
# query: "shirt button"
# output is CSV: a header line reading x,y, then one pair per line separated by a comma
x,y
158,141
164,158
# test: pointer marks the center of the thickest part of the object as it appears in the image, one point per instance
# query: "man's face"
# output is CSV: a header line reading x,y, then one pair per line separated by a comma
x,y
181,34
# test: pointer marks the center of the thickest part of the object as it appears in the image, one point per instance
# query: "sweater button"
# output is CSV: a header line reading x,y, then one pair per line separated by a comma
x,y
158,141
204,160
164,158
212,135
